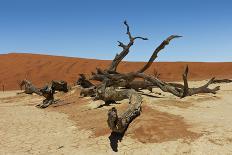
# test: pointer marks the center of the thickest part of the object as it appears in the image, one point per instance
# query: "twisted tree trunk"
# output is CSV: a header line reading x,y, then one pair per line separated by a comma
x,y
59,86
47,91
120,123
29,87
111,81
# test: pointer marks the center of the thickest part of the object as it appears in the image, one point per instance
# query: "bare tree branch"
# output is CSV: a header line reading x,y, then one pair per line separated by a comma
x,y
156,51
128,31
111,83
120,123
140,38
119,57
185,79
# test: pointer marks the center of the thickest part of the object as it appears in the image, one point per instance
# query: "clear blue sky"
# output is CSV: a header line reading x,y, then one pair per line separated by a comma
x,y
91,28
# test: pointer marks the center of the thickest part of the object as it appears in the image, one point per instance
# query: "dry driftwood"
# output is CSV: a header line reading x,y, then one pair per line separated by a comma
x,y
175,89
120,123
111,81
178,89
222,81
47,91
29,87
83,82
88,92
118,58
59,85
137,85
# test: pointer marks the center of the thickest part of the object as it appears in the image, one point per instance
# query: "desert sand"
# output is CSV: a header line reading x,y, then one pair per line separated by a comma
x,y
199,124
41,69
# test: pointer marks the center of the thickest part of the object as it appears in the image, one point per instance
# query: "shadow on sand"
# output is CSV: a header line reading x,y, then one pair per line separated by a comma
x,y
114,138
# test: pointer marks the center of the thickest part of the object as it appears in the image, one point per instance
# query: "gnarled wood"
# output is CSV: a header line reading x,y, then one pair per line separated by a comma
x,y
47,91
156,51
120,123
29,87
118,58
112,81
178,90
59,85
83,82
88,92
222,81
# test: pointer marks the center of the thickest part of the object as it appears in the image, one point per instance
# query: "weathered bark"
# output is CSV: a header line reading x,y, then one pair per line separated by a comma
x,y
156,51
120,123
59,86
175,89
48,92
29,87
83,82
111,80
110,94
180,91
118,58
222,81
137,85
88,92
126,80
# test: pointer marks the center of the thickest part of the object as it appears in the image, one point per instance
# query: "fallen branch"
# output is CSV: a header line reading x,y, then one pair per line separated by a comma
x,y
222,81
29,87
47,91
120,123
112,81
83,82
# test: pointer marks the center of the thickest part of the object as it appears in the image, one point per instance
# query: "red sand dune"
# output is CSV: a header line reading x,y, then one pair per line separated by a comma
x,y
41,69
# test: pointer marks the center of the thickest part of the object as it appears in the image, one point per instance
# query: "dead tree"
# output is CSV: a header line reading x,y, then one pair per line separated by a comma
x,y
59,86
83,82
88,89
29,87
120,123
112,81
47,91
178,89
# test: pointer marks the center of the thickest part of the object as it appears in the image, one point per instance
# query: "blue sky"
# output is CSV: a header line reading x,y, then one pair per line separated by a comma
x,y
91,28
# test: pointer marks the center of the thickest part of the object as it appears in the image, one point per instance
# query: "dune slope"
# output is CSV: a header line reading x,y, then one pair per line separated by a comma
x,y
41,69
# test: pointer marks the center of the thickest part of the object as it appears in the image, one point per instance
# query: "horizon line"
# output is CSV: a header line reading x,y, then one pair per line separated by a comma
x,y
56,55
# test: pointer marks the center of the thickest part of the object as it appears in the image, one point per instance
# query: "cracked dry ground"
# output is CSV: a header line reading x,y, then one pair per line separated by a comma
x,y
199,124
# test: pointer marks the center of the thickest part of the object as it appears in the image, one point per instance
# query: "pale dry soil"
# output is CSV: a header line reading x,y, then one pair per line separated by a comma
x,y
200,124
